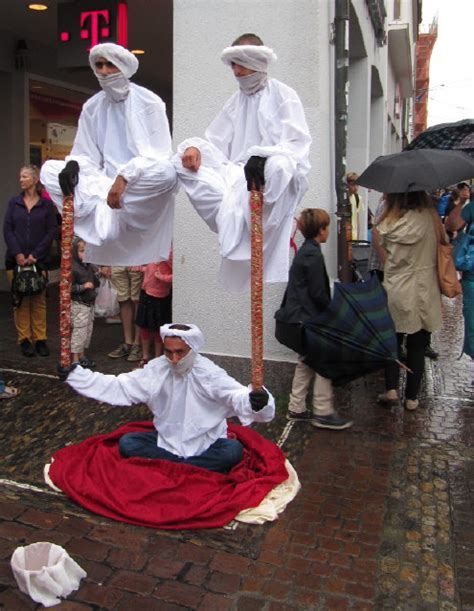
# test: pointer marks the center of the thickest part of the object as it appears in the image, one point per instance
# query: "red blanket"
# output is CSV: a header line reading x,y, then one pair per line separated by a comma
x,y
162,494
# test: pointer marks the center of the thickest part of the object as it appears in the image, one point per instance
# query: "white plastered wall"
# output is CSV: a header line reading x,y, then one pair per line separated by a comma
x,y
298,31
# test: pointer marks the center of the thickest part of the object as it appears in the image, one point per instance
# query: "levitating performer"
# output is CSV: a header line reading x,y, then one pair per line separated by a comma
x,y
119,168
259,137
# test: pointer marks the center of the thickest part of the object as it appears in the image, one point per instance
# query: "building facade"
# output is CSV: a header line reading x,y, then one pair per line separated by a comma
x,y
182,40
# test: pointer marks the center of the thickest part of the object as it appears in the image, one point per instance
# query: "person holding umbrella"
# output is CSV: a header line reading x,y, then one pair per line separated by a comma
x,y
306,296
406,232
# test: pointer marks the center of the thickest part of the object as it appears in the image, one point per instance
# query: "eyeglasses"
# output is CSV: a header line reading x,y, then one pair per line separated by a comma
x,y
107,64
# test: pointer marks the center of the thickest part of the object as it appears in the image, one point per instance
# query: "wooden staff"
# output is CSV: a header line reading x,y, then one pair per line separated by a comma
x,y
256,286
65,280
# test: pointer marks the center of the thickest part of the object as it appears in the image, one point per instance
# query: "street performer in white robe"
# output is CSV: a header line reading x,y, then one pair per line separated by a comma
x,y
119,169
259,137
190,398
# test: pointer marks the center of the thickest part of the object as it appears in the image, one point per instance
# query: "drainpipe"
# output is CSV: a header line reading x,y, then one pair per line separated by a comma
x,y
343,210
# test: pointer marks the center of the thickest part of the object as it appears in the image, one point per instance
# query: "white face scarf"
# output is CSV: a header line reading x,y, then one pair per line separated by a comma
x,y
116,86
252,83
184,365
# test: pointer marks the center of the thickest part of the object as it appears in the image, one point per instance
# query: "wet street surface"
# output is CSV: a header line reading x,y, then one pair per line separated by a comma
x,y
384,520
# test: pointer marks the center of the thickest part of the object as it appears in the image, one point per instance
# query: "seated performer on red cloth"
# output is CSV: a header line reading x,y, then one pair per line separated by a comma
x,y
190,398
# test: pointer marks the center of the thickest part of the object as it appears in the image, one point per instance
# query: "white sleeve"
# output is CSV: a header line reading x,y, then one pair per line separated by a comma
x,y
85,149
124,389
149,130
226,391
290,133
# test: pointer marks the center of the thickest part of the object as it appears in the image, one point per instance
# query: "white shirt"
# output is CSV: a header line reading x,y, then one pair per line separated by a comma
x,y
189,411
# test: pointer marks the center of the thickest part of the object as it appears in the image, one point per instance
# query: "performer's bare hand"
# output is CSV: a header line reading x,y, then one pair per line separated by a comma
x,y
191,159
106,271
31,260
116,192
20,259
88,285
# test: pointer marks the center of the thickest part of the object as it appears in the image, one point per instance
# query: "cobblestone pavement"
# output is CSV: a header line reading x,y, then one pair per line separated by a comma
x,y
384,519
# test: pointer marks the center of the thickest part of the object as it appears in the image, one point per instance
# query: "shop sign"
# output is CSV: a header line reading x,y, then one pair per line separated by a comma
x,y
84,24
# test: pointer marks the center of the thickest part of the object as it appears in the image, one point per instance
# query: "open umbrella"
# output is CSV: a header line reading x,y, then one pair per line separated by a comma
x,y
419,170
446,136
354,336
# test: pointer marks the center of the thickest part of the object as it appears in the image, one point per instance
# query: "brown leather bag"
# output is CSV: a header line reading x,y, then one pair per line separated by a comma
x,y
449,284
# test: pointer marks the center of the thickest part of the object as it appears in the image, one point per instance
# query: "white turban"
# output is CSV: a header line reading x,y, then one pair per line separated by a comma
x,y
125,61
253,57
193,337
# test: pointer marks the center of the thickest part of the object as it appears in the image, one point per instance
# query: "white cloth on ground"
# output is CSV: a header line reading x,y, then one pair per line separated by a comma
x,y
274,502
130,138
189,411
270,123
45,572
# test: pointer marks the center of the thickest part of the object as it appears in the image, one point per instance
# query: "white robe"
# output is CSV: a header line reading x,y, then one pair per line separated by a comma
x,y
271,124
189,411
130,138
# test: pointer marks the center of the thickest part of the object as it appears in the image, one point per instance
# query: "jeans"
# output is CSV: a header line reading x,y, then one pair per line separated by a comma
x,y
416,344
221,456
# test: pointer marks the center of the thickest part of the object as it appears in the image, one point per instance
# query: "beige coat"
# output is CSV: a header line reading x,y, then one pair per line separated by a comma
x,y
410,274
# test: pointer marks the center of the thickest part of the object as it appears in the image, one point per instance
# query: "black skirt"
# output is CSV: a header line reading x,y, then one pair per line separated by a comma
x,y
152,312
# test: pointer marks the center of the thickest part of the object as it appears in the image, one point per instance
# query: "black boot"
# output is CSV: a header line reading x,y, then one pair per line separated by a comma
x,y
26,348
41,348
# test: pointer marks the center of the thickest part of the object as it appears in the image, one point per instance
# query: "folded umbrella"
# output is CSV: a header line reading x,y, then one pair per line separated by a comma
x,y
419,170
354,336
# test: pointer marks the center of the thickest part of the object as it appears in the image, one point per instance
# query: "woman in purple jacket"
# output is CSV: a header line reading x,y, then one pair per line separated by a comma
x,y
30,226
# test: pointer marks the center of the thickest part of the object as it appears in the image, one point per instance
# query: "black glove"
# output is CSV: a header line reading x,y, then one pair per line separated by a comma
x,y
63,372
254,173
69,177
258,399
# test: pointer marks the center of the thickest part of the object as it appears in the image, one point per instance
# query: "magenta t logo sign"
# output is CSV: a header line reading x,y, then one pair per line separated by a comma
x,y
98,26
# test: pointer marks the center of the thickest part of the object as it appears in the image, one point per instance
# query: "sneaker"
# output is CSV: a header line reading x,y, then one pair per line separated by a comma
x,y
411,404
9,392
86,363
305,416
390,397
332,421
120,352
430,353
135,354
26,348
41,348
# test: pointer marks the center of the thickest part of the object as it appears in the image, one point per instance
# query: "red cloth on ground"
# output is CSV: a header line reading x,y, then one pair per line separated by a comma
x,y
162,494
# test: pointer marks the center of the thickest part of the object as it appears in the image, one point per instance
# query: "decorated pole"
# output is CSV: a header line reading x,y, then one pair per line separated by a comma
x,y
65,279
256,286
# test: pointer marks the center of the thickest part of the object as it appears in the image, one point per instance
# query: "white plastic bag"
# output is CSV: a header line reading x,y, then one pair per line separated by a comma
x,y
45,571
106,303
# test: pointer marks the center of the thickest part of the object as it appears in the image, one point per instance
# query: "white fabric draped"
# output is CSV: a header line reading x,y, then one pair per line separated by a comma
x,y
271,124
130,138
189,411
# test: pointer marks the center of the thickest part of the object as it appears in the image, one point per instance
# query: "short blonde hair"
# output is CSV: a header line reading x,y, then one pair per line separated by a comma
x,y
352,176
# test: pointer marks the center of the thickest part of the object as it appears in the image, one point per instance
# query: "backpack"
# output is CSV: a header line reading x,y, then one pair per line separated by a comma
x,y
27,281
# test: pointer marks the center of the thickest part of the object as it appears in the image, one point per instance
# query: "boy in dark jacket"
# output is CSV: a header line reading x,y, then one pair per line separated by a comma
x,y
307,295
85,280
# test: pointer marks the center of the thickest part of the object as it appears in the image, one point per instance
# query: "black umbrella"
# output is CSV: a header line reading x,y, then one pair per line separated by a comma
x,y
447,136
420,170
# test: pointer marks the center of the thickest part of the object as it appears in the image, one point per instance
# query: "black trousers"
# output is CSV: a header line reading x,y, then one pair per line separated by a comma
x,y
416,345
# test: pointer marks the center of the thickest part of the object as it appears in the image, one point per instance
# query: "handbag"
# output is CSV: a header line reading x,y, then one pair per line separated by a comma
x,y
28,281
463,250
449,284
